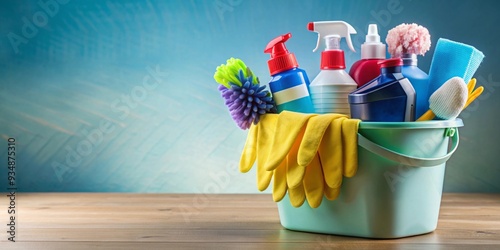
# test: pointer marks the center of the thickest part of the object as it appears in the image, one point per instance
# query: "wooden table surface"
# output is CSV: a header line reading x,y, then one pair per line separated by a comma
x,y
197,221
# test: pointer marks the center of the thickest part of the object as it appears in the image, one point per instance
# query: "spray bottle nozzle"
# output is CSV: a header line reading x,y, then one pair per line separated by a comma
x,y
276,47
332,42
326,28
281,59
372,36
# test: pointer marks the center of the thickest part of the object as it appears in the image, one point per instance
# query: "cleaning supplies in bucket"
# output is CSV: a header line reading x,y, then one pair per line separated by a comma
x,y
389,97
337,175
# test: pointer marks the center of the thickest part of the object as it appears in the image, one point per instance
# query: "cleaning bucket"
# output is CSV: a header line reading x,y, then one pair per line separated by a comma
x,y
397,189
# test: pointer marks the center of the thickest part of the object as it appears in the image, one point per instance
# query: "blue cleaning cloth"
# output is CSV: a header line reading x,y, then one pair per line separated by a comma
x,y
452,59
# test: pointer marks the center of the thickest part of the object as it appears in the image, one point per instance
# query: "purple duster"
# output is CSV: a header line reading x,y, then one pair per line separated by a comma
x,y
247,102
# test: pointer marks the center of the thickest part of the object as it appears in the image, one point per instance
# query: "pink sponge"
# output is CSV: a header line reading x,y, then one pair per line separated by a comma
x,y
408,39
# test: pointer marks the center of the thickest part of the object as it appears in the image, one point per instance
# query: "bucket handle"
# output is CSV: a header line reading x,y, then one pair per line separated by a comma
x,y
406,159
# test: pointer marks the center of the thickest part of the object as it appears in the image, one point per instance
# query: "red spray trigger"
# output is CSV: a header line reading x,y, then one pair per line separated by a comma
x,y
276,47
281,59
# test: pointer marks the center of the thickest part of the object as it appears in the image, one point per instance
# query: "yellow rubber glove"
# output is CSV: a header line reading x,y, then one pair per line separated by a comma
x,y
472,93
316,127
475,94
330,153
279,182
330,140
249,153
350,144
471,85
266,131
297,195
295,173
289,126
331,193
313,183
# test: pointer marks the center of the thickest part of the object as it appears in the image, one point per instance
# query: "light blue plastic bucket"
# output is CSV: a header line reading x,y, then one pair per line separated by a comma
x,y
397,189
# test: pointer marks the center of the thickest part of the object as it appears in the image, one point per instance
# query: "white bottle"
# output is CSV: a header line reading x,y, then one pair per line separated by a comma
x,y
331,87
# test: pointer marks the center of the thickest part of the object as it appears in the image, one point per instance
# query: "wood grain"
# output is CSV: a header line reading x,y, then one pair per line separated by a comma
x,y
224,221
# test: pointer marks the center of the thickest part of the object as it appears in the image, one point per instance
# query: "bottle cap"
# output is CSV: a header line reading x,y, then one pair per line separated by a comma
x,y
281,60
393,62
333,56
372,48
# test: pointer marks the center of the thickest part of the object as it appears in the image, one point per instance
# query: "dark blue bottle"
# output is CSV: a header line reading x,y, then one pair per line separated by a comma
x,y
388,98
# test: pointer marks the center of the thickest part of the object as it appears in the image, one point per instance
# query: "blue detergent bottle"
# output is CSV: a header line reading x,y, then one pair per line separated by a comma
x,y
388,98
420,81
289,84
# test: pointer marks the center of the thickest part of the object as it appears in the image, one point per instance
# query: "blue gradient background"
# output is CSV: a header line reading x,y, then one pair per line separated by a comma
x,y
174,133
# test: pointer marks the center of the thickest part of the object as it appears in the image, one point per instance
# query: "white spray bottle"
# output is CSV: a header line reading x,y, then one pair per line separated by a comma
x,y
331,87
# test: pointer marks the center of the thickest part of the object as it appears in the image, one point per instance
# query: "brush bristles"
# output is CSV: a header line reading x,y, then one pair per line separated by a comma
x,y
448,101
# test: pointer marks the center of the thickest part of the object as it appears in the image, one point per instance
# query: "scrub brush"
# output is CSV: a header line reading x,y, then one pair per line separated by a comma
x,y
448,101
243,95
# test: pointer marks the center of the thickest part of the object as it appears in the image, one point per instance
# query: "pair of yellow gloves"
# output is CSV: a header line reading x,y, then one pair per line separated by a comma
x,y
306,154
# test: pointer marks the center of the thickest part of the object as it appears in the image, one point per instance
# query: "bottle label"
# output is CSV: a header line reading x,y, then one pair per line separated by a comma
x,y
302,105
290,94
